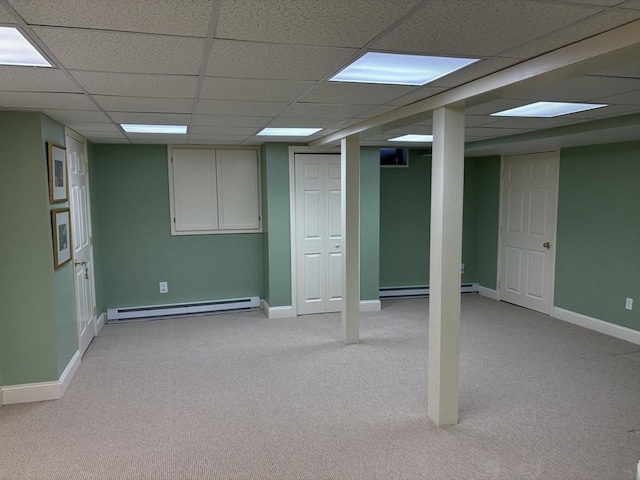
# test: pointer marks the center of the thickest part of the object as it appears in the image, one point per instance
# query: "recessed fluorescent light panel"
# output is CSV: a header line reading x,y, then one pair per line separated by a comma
x,y
288,132
413,138
139,128
15,49
399,69
547,109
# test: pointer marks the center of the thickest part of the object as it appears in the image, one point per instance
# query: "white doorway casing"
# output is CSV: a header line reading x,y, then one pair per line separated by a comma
x,y
528,218
79,203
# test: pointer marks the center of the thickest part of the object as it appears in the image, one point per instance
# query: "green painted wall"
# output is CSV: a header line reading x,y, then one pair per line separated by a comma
x,y
131,199
275,157
37,335
405,216
265,224
275,179
487,219
598,235
64,308
369,223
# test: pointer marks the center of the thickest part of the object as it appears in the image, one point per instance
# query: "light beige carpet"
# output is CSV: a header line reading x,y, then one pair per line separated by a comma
x,y
237,396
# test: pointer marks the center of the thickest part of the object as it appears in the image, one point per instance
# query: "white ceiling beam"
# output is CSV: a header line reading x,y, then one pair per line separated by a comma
x,y
592,54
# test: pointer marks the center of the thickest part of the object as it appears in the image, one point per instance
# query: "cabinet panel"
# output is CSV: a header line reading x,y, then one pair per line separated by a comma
x,y
214,191
195,190
238,197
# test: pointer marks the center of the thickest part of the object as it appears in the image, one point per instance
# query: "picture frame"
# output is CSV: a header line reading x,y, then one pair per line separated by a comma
x,y
57,167
61,226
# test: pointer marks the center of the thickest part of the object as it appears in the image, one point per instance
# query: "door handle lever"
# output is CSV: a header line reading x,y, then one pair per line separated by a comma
x,y
79,263
546,245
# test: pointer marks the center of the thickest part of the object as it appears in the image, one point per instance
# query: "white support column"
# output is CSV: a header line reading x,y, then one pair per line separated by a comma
x,y
350,185
445,255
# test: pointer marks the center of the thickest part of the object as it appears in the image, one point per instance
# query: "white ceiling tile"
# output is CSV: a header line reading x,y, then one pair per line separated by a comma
x,y
141,104
92,134
475,70
123,52
374,111
33,79
220,141
629,69
137,85
610,111
217,138
65,116
470,27
578,89
253,89
232,131
417,95
151,118
493,106
527,123
230,121
6,17
477,120
605,3
355,93
92,127
44,101
629,98
309,22
491,132
289,62
231,107
153,138
586,28
297,122
175,17
312,110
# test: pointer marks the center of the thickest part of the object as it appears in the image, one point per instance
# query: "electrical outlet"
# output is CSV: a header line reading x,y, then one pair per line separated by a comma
x,y
628,304
164,287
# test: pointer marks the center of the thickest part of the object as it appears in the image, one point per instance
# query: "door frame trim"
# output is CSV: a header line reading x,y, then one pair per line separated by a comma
x,y
292,213
79,138
552,274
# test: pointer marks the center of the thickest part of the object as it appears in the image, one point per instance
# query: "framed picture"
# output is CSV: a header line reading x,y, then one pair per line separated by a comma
x,y
61,236
57,161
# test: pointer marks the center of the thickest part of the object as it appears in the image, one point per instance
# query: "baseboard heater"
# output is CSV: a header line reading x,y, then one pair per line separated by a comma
x,y
420,291
176,309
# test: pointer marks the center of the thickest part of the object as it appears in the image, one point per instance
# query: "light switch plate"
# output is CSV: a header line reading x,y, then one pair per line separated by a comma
x,y
164,287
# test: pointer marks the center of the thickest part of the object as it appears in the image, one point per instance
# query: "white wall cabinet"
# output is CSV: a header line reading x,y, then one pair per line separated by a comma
x,y
214,191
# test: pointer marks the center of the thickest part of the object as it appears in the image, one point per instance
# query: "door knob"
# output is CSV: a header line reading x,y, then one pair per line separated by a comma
x,y
546,245
79,263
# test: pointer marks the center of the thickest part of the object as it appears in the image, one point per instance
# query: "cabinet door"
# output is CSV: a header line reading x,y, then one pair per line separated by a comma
x,y
238,190
195,190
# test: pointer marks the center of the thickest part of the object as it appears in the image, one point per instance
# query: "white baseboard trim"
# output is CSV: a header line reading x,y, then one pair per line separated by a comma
x,y
100,322
69,372
611,329
276,312
38,392
370,305
488,292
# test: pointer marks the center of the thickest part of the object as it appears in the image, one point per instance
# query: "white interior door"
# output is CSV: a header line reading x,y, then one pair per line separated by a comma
x,y
318,233
82,240
528,230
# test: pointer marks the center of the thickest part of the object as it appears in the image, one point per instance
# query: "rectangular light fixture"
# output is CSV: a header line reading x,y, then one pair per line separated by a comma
x,y
140,128
288,132
399,69
547,109
413,138
15,49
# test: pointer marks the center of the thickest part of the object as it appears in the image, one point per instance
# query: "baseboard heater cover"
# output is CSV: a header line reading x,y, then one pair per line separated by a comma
x,y
421,290
175,309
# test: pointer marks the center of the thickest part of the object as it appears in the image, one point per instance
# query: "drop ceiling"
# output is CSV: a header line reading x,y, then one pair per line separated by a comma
x,y
228,68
